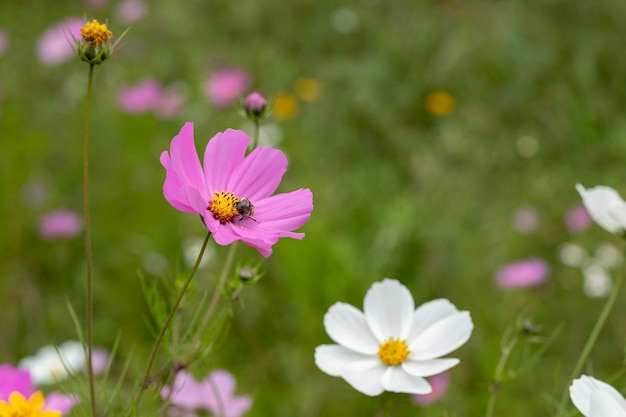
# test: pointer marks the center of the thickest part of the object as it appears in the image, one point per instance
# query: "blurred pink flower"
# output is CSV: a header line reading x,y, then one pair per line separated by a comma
x,y
216,394
577,219
224,87
521,274
4,41
99,360
140,98
56,44
233,192
439,384
13,379
525,220
129,11
150,96
170,104
19,380
59,224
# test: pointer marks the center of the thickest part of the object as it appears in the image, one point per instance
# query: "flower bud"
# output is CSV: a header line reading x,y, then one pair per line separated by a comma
x,y
94,48
254,106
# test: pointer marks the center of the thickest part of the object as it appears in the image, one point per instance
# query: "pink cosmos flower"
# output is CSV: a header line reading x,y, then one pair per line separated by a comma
x,y
233,192
224,87
521,274
60,224
216,394
56,44
141,97
18,380
440,384
129,11
577,219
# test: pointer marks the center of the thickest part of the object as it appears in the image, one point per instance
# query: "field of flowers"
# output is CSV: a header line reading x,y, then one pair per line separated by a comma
x,y
408,237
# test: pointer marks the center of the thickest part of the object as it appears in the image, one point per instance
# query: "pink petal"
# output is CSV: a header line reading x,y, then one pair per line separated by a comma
x,y
285,212
14,379
184,159
186,392
173,187
222,155
58,402
259,174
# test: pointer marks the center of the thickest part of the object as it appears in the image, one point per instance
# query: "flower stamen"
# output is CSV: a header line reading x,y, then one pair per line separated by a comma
x,y
393,352
223,205
95,32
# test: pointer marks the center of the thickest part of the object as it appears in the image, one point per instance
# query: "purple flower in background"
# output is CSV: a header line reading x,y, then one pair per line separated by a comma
x,y
60,224
254,103
216,393
129,11
56,45
577,219
224,87
140,98
4,41
521,274
170,104
440,384
525,220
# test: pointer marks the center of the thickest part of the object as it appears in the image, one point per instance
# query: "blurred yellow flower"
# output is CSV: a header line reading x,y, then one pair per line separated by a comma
x,y
18,406
440,103
285,105
307,89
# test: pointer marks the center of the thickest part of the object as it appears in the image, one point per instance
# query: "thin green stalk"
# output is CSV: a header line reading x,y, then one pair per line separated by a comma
x,y
593,337
168,320
88,254
255,137
506,353
220,283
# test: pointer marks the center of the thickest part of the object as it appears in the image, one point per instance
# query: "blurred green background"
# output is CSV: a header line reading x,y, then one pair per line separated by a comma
x,y
399,191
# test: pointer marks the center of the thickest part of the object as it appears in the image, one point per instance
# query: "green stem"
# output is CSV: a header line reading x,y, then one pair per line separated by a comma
x,y
255,137
168,320
497,379
88,253
593,337
220,283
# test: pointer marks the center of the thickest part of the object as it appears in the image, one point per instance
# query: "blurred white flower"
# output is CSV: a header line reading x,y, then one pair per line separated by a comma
x,y
609,256
595,398
55,363
191,249
572,254
597,282
344,20
605,206
391,346
52,364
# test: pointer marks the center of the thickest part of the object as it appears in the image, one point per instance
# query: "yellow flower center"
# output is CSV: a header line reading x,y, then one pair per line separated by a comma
x,y
18,406
95,32
393,352
223,206
440,103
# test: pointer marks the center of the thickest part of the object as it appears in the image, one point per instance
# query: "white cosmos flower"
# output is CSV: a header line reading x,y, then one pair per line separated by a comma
x,y
391,346
595,398
52,364
605,206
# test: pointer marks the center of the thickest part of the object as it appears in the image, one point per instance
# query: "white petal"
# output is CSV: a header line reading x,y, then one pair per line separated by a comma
x,y
388,308
395,379
428,367
442,337
336,360
605,206
429,313
604,404
581,391
347,326
368,381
